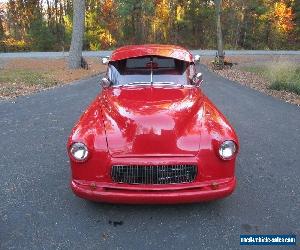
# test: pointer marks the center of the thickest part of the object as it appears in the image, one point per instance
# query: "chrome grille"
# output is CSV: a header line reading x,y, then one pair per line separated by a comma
x,y
153,174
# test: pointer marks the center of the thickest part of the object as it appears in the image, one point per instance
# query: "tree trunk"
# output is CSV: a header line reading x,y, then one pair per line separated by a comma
x,y
75,53
218,4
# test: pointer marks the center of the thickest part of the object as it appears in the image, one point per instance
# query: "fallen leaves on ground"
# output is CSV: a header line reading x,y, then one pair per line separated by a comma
x,y
24,76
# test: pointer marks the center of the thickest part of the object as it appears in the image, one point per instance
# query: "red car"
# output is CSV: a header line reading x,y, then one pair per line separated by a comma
x,y
151,135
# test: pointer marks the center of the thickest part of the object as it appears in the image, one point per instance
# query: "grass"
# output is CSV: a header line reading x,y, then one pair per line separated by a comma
x,y
22,76
282,75
14,82
26,77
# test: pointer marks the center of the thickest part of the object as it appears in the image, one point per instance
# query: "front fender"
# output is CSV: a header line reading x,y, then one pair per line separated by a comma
x,y
215,129
90,130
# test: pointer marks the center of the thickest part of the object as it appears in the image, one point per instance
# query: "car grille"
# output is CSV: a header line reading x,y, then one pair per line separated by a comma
x,y
154,174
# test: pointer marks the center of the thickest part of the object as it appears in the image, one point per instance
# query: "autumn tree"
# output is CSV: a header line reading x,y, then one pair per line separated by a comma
x,y
102,24
161,21
253,24
283,23
109,20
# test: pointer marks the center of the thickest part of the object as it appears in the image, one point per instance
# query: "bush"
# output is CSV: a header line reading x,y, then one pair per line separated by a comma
x,y
40,36
12,45
284,76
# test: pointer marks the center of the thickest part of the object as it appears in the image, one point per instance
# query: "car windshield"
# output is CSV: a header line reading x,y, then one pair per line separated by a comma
x,y
149,69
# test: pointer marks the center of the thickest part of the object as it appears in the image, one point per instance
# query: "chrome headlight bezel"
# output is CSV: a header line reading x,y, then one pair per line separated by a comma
x,y
79,151
227,150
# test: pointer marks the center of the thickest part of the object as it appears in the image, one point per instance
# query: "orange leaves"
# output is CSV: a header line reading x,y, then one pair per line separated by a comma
x,y
107,39
102,25
108,6
283,17
13,45
110,18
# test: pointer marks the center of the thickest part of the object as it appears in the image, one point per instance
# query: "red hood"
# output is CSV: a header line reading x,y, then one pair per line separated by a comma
x,y
152,121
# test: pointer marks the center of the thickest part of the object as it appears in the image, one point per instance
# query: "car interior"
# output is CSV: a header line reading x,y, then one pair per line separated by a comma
x,y
147,69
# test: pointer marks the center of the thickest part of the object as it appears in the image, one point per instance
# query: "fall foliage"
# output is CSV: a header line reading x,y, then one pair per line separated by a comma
x,y
47,24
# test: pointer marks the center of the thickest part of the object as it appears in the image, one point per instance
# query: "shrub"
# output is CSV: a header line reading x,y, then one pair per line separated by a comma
x,y
13,45
284,76
40,36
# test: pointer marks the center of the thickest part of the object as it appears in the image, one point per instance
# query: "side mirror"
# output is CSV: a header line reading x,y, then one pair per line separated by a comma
x,y
197,79
105,60
197,58
105,83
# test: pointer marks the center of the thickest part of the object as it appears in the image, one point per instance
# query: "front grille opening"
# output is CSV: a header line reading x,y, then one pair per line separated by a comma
x,y
154,174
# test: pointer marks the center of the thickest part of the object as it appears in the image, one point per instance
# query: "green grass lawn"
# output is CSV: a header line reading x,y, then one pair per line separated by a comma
x,y
282,75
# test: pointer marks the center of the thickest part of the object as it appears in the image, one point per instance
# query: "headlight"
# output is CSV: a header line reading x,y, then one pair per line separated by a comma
x,y
79,151
227,150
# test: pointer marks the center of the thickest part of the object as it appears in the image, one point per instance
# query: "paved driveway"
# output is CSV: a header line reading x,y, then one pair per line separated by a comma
x,y
38,210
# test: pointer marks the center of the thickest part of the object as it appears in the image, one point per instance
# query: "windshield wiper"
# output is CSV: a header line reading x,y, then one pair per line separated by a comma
x,y
173,83
153,83
133,83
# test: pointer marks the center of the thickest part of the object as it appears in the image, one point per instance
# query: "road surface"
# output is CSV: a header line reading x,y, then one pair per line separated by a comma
x,y
108,53
38,210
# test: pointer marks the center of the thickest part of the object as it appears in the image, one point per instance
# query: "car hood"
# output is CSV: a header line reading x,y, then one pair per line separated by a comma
x,y
152,121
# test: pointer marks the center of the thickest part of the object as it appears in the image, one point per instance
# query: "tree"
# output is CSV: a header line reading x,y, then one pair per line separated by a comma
x,y
252,24
137,17
297,21
218,4
75,53
41,38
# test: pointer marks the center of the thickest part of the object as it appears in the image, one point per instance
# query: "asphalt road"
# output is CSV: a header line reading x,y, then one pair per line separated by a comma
x,y
103,53
39,211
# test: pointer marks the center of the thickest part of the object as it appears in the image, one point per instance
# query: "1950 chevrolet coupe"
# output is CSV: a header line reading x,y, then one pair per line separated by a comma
x,y
151,135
